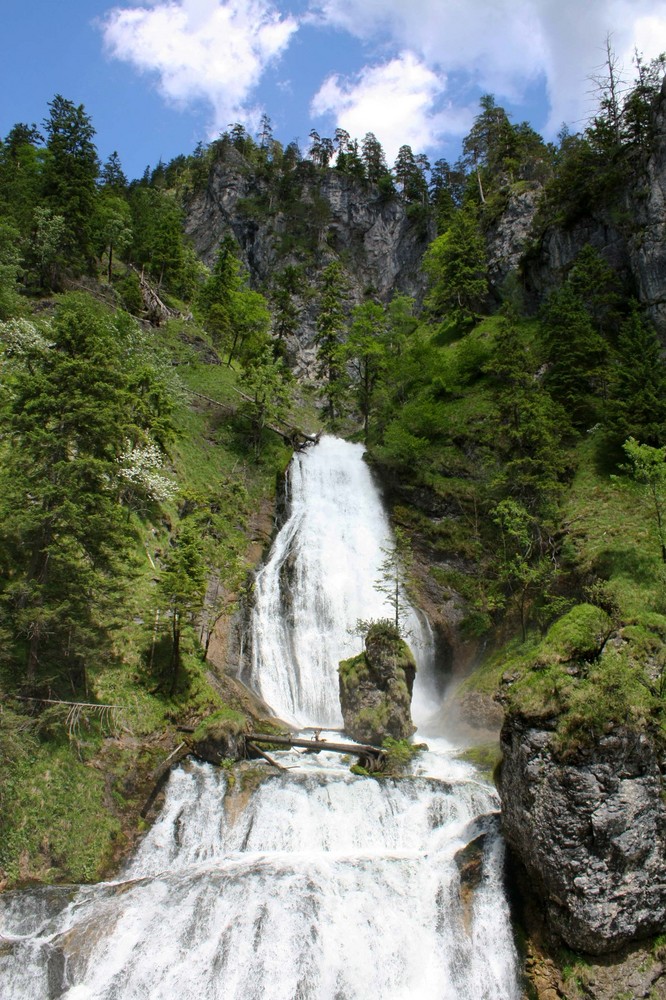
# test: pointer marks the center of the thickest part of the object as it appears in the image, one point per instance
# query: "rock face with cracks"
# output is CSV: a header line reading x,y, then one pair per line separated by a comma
x,y
589,831
376,688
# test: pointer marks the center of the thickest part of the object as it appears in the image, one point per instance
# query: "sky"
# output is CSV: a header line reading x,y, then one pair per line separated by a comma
x,y
158,76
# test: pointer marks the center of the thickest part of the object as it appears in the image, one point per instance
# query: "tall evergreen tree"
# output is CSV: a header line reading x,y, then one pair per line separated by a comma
x,y
365,355
62,523
456,265
331,322
576,355
636,404
70,175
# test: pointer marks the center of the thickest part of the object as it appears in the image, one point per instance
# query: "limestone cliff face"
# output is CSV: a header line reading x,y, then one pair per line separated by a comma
x,y
509,237
334,216
631,236
590,833
647,246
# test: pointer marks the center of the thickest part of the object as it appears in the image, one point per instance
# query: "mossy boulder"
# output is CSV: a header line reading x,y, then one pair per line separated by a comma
x,y
376,687
220,737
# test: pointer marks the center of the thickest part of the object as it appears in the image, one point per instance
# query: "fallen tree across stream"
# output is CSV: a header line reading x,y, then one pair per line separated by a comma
x,y
370,757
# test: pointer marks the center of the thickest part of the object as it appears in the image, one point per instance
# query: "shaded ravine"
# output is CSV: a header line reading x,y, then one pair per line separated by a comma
x,y
311,883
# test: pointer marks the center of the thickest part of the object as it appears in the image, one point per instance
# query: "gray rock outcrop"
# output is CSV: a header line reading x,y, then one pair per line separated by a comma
x,y
647,245
337,217
376,688
630,234
590,833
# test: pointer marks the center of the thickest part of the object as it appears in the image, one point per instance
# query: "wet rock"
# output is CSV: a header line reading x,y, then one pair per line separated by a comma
x,y
470,863
376,688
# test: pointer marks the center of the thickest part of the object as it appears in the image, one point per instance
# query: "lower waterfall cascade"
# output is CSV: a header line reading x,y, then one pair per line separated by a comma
x,y
311,883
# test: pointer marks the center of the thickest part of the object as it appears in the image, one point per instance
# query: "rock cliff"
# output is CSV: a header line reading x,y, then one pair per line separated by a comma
x,y
629,231
309,218
647,245
589,832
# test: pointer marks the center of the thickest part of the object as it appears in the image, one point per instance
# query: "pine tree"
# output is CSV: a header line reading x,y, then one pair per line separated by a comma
x,y
62,523
182,586
70,175
636,403
365,355
455,263
331,323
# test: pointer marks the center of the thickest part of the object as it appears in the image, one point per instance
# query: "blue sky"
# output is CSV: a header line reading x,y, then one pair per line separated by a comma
x,y
157,76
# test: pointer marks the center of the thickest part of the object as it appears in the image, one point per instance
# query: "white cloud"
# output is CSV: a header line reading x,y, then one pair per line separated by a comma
x,y
396,100
202,50
505,46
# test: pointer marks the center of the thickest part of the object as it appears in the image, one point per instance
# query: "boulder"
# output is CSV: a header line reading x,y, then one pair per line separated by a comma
x,y
376,687
589,831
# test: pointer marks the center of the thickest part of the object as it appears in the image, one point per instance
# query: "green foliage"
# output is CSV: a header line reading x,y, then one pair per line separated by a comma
x,y
647,468
576,355
399,756
636,402
394,584
267,395
365,355
331,322
67,421
53,820
236,317
182,587
113,229
70,172
456,267
10,268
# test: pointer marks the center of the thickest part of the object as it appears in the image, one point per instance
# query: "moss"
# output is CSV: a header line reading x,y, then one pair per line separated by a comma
x,y
578,635
486,757
399,755
225,720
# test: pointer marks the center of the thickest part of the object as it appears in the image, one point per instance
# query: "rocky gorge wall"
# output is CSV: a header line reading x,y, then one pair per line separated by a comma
x,y
630,235
588,831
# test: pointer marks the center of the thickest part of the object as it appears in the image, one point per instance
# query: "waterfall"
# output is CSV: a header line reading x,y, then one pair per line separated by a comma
x,y
321,577
306,884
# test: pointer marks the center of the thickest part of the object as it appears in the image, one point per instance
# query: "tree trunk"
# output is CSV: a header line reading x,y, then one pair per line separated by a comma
x,y
174,665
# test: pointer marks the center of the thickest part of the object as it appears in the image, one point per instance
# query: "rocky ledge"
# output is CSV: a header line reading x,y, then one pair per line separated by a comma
x,y
587,833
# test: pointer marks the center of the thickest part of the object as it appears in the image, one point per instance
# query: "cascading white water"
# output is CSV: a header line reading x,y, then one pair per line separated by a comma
x,y
311,884
321,577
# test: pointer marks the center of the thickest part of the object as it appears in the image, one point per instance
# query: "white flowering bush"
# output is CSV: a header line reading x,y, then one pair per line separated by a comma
x,y
21,337
139,467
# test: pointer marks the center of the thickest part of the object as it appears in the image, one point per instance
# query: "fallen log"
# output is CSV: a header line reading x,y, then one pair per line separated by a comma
x,y
271,760
292,436
364,751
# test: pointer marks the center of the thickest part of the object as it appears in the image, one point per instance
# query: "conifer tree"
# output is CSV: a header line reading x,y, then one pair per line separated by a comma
x,y
182,586
70,175
331,322
62,522
455,263
365,355
636,403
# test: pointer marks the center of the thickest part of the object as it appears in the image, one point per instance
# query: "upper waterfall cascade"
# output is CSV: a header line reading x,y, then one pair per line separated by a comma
x,y
311,884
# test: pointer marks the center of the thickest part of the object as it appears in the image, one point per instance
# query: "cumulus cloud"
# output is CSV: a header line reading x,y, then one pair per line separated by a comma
x,y
505,46
202,50
397,100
